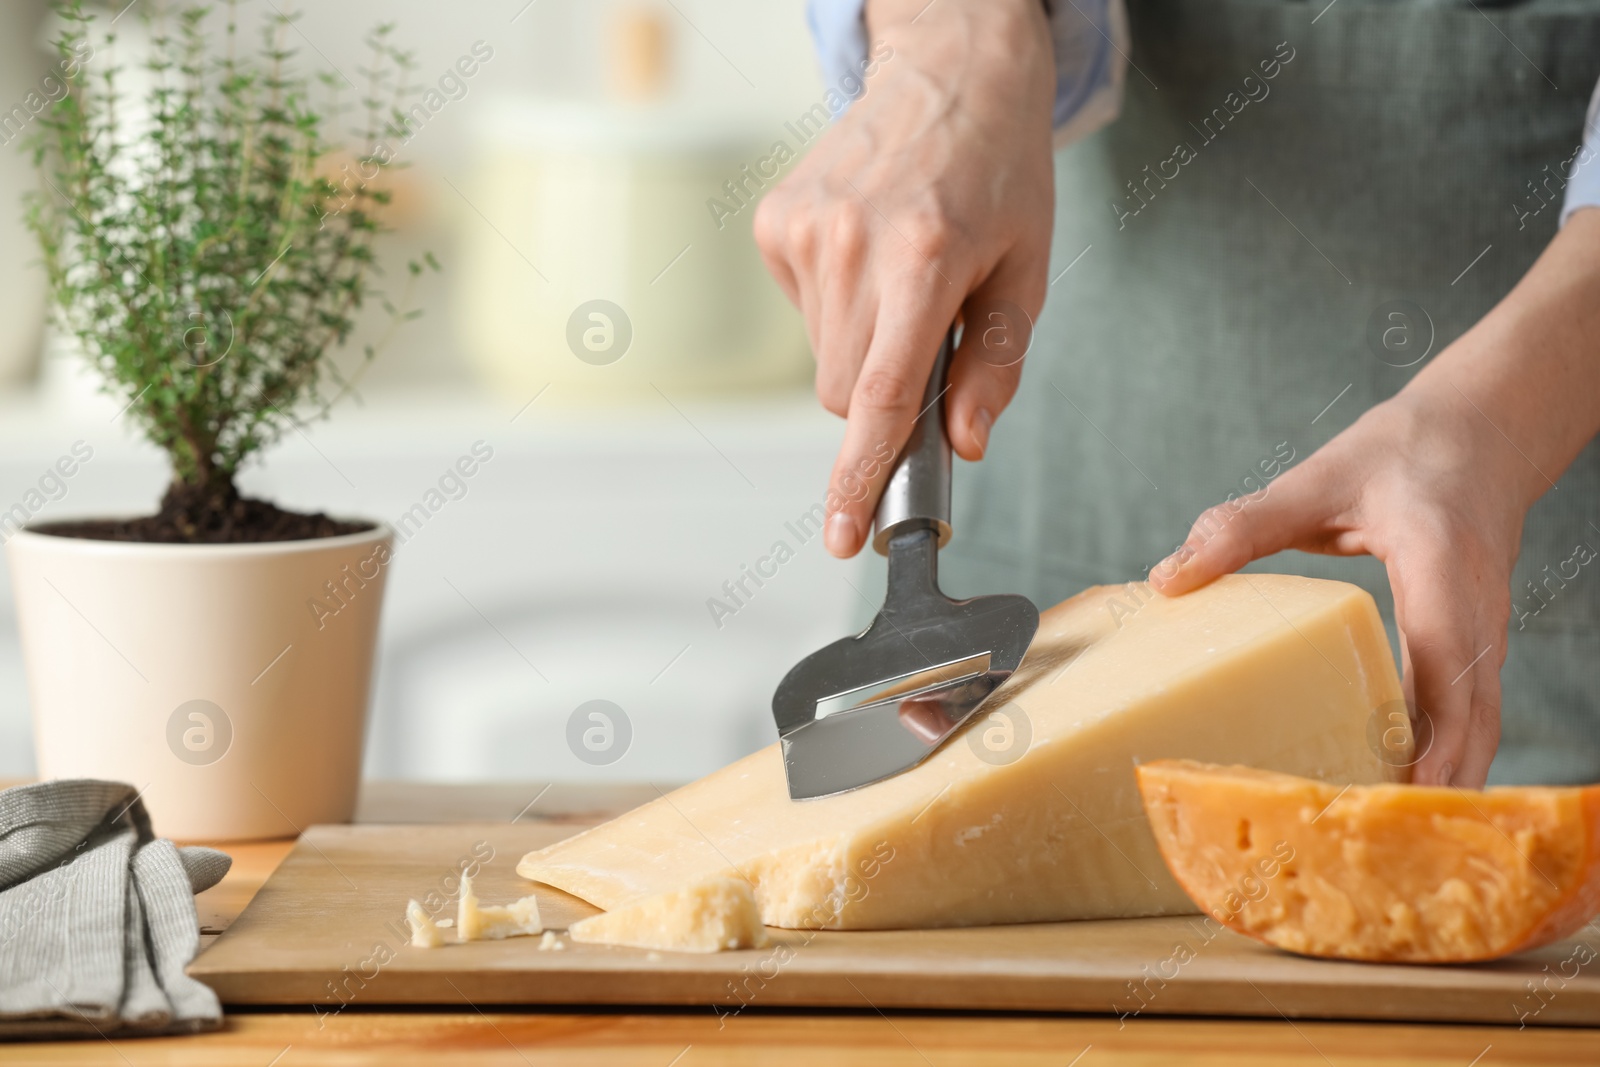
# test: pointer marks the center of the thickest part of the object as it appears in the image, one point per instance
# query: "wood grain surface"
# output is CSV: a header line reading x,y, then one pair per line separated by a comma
x,y
505,1037
327,933
796,1039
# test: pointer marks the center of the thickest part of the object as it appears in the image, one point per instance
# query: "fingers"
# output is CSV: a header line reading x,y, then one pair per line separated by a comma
x,y
1292,512
848,309
884,402
770,228
1483,724
1433,633
1453,642
996,330
876,311
889,382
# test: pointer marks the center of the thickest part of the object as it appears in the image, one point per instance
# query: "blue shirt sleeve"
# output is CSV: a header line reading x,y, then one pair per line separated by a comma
x,y
1583,180
1090,39
839,31
1091,45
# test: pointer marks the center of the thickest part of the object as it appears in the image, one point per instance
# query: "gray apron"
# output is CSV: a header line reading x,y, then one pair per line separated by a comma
x,y
1219,318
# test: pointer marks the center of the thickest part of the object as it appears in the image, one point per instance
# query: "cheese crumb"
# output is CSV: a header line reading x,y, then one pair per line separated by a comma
x,y
550,942
444,923
424,931
493,922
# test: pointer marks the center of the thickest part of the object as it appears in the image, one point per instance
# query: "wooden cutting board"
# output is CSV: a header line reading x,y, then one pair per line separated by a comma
x,y
327,930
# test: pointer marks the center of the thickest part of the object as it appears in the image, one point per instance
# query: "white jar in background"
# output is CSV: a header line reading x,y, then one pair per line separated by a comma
x,y
590,257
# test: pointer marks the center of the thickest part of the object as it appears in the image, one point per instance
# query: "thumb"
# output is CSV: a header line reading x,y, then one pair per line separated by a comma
x,y
1224,538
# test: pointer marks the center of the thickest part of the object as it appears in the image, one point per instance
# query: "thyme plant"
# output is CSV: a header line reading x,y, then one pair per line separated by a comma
x,y
201,245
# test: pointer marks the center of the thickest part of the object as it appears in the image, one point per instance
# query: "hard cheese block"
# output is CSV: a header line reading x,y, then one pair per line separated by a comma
x,y
1032,813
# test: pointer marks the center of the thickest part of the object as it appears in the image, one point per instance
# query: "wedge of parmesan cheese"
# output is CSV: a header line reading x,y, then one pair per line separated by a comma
x,y
1033,814
713,916
424,931
493,922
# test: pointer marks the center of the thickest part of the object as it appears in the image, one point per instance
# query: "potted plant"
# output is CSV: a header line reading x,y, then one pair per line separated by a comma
x,y
217,653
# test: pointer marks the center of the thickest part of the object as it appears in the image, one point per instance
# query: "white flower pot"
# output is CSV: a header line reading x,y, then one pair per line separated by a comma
x,y
228,682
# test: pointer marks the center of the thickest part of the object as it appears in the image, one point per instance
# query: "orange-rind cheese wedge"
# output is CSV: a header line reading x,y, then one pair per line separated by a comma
x,y
1403,873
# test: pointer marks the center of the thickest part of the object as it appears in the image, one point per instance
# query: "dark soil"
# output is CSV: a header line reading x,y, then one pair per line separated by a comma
x,y
214,516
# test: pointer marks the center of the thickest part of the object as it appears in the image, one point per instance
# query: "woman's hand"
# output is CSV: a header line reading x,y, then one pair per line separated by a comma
x,y
1422,483
1435,483
932,197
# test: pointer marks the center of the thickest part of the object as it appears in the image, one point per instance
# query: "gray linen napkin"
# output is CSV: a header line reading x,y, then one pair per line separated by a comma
x,y
97,917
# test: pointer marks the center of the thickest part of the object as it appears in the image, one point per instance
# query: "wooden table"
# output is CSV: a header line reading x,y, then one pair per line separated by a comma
x,y
290,1038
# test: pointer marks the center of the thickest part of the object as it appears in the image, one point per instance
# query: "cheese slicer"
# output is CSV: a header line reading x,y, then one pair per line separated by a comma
x,y
867,707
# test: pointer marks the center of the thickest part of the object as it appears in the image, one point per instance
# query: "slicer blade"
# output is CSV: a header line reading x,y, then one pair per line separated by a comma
x,y
866,745
904,659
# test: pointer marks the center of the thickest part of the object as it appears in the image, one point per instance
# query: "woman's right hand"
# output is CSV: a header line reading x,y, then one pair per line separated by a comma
x,y
932,197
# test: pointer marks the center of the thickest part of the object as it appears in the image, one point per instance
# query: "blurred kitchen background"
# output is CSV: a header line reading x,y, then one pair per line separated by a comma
x,y
572,166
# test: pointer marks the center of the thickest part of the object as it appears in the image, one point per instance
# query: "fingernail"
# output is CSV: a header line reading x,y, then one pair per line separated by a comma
x,y
1445,772
1169,567
841,536
982,423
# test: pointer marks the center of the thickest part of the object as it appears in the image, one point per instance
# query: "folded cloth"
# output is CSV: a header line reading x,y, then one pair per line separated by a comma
x,y
97,917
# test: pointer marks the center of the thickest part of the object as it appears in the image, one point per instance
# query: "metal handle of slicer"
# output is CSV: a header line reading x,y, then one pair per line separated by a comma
x,y
918,493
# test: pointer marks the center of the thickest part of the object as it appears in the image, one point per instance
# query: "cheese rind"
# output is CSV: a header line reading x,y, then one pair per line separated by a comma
x,y
1416,874
1281,672
716,915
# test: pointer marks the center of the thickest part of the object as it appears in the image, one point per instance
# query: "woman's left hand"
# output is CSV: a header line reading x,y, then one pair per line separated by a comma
x,y
1436,482
1420,482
